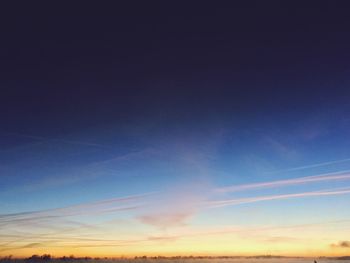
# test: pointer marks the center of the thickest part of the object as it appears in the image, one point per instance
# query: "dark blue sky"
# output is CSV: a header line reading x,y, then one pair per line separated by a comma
x,y
66,69
196,99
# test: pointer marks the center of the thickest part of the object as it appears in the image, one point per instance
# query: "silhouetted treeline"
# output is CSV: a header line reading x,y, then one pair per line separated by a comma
x,y
46,258
344,258
7,259
36,258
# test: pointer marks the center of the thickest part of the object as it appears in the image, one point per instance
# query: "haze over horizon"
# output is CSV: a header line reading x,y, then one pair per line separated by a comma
x,y
175,128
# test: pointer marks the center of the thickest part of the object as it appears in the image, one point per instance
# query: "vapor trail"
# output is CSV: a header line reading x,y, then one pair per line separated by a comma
x,y
41,138
238,201
312,166
92,208
342,175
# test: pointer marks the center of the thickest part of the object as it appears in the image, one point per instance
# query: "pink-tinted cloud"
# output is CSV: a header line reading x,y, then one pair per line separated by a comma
x,y
175,206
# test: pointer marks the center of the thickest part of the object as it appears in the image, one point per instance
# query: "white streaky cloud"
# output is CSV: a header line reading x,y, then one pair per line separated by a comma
x,y
92,208
312,165
342,175
238,201
45,139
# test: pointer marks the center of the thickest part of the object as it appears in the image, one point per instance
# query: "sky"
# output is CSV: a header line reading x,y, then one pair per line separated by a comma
x,y
175,128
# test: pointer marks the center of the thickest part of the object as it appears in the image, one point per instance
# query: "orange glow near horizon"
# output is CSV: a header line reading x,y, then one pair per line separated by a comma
x,y
209,245
188,221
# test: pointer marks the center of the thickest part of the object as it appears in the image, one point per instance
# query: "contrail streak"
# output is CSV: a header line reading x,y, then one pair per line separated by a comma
x,y
311,166
99,207
342,175
238,201
41,138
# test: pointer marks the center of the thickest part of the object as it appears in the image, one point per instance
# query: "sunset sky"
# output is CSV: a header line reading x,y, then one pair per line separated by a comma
x,y
175,128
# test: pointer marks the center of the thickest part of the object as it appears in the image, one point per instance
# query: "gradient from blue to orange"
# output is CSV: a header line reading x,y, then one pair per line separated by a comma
x,y
220,145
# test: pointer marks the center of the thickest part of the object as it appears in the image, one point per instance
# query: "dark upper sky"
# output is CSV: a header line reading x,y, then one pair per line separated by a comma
x,y
67,66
